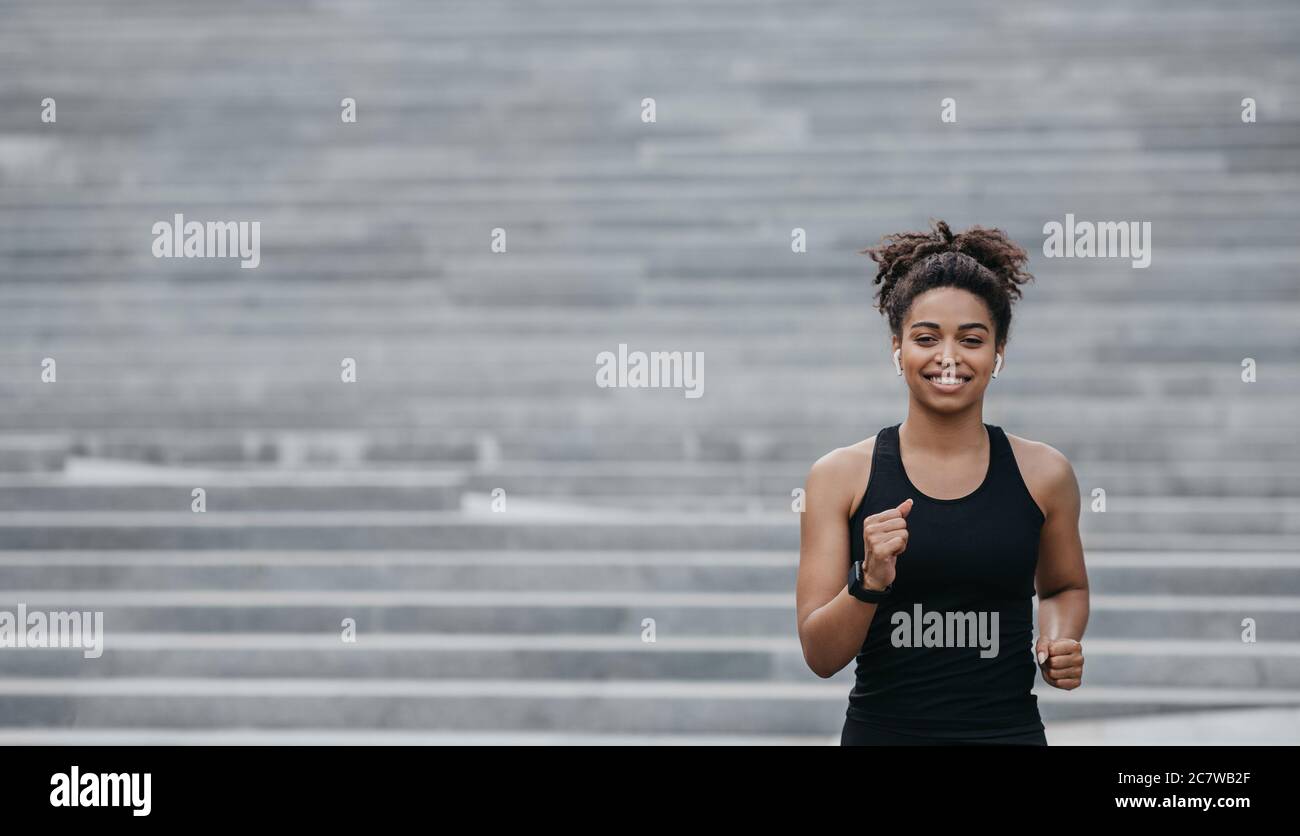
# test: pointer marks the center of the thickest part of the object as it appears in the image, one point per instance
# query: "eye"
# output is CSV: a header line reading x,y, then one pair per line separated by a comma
x,y
926,339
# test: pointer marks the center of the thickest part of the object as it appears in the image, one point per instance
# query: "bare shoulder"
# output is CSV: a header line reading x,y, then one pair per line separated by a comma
x,y
1047,472
843,473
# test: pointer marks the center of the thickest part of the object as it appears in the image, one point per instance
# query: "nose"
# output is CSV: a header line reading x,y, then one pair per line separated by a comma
x,y
947,363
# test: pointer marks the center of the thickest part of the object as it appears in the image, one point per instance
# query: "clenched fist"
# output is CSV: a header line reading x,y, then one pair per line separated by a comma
x,y
1061,661
884,537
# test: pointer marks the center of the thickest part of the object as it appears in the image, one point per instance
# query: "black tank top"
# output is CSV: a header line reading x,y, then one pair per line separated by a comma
x,y
968,561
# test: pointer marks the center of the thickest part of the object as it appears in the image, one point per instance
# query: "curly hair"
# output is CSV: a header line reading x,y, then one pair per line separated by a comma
x,y
983,261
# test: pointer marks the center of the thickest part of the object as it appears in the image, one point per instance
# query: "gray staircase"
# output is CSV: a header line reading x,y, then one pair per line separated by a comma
x,y
373,500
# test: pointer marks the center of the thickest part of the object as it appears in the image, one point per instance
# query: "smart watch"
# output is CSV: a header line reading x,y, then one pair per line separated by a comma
x,y
857,590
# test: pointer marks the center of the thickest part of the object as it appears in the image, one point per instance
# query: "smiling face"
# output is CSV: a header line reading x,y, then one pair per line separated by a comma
x,y
948,350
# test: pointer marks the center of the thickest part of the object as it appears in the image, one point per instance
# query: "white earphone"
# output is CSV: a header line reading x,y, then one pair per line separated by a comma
x,y
997,367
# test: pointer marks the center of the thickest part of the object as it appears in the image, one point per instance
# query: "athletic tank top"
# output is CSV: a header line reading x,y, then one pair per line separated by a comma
x,y
928,665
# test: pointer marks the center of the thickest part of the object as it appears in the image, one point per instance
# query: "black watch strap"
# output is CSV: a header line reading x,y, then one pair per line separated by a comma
x,y
857,590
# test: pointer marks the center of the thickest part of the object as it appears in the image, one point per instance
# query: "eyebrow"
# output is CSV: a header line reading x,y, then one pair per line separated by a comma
x,y
961,327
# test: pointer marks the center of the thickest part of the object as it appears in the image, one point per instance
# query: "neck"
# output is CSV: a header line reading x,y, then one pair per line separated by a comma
x,y
944,433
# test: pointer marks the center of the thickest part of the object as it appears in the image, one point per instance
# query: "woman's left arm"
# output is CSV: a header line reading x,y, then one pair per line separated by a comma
x,y
1061,578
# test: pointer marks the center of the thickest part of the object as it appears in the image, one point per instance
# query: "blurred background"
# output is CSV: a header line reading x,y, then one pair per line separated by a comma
x,y
475,371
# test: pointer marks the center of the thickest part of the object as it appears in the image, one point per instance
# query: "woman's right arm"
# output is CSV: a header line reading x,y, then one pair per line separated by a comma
x,y
832,623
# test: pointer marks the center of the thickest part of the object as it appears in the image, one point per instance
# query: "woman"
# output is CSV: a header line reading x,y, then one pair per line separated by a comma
x,y
922,546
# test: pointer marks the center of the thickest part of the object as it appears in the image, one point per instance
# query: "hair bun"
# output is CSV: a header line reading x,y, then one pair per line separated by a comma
x,y
899,253
978,258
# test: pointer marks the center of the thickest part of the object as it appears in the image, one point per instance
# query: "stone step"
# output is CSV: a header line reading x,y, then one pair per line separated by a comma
x,y
714,391
568,381
629,195
1130,616
417,315
1106,163
546,537
1216,727
81,736
361,506
591,452
288,495
352,409
1106,281
624,706
816,300
326,475
1225,478
562,523
392,158
1109,573
112,337
738,492
1110,662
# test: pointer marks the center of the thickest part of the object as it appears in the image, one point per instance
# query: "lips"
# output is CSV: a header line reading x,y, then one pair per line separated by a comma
x,y
947,384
